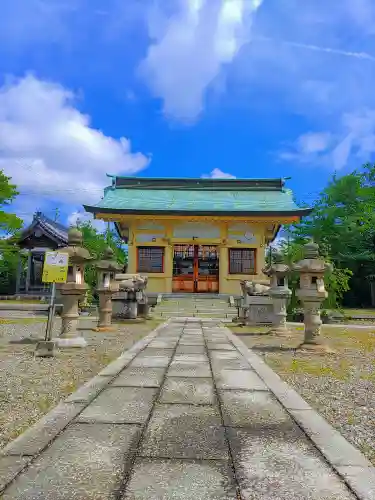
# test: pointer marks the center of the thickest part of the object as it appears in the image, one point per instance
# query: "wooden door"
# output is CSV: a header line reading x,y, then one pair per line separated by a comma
x,y
184,268
207,269
195,269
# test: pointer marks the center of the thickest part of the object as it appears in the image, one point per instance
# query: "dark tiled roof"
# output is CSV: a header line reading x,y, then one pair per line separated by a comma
x,y
50,228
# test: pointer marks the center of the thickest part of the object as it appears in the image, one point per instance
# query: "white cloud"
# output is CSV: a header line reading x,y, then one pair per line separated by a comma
x,y
190,47
216,173
307,147
50,149
354,140
80,216
314,142
314,62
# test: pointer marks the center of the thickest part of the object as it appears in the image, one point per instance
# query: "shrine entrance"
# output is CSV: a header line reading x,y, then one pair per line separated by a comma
x,y
195,269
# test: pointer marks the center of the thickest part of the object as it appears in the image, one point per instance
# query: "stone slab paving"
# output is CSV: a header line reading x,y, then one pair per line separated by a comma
x,y
187,413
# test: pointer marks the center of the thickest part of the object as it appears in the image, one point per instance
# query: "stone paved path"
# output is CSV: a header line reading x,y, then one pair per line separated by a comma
x,y
188,419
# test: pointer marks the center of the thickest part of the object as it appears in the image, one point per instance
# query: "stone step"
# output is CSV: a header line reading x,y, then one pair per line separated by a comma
x,y
189,311
173,308
201,296
201,302
193,314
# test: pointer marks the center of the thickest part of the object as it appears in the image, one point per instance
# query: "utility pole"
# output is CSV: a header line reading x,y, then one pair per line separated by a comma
x,y
108,232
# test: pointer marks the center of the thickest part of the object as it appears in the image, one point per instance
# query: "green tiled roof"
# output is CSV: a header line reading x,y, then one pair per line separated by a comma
x,y
203,196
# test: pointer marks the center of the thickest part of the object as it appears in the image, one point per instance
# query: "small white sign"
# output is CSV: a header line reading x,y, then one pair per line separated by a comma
x,y
57,259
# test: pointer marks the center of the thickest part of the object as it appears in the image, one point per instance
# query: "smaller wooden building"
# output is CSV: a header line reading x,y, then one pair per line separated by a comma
x,y
42,235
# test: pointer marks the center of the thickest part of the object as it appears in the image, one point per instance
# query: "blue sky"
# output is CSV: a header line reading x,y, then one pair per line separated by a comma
x,y
250,88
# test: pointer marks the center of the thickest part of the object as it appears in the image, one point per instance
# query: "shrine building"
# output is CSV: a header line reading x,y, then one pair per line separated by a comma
x,y
197,235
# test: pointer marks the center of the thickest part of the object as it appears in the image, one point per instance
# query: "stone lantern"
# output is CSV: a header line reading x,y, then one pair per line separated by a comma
x,y
312,293
106,286
279,292
73,290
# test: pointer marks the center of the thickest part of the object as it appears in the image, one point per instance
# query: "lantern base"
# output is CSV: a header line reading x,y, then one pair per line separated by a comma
x,y
318,348
70,342
45,349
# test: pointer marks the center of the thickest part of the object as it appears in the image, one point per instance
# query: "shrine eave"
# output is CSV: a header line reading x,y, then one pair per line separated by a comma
x,y
302,212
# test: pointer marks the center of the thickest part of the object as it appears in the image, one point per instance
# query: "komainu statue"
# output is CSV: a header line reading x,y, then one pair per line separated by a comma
x,y
253,288
132,294
256,304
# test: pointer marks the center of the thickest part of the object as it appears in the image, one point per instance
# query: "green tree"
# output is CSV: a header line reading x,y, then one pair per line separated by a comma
x,y
336,282
96,243
10,224
343,224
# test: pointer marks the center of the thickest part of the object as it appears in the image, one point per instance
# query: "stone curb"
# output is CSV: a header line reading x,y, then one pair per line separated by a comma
x,y
349,463
18,454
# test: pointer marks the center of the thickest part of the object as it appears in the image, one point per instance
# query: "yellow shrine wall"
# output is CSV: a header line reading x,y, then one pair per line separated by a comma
x,y
219,231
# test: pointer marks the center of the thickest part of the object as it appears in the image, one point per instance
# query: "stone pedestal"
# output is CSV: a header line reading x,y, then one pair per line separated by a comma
x,y
313,325
259,310
105,311
280,301
312,294
132,310
144,310
279,292
131,301
107,286
123,307
70,336
73,290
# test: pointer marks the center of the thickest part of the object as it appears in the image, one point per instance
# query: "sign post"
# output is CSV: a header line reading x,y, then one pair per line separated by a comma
x,y
55,270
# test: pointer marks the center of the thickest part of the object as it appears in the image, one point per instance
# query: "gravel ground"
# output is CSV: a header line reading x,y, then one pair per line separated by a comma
x,y
341,387
30,387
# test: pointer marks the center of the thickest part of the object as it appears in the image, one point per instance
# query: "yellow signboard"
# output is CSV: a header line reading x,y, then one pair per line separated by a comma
x,y
55,269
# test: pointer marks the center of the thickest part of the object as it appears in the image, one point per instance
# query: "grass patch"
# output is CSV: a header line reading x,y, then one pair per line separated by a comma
x,y
45,402
69,387
21,321
104,358
359,312
350,346
319,368
14,301
243,330
256,330
345,338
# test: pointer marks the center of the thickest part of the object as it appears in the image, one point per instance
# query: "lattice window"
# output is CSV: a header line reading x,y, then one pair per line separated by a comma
x,y
150,259
242,261
184,251
208,252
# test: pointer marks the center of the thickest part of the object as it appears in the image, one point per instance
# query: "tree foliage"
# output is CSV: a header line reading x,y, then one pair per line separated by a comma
x,y
337,281
96,243
343,224
10,224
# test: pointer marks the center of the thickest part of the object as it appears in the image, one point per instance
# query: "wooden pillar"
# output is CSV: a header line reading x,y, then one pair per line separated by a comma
x,y
168,257
132,259
223,257
168,267
223,268
19,273
28,272
132,250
